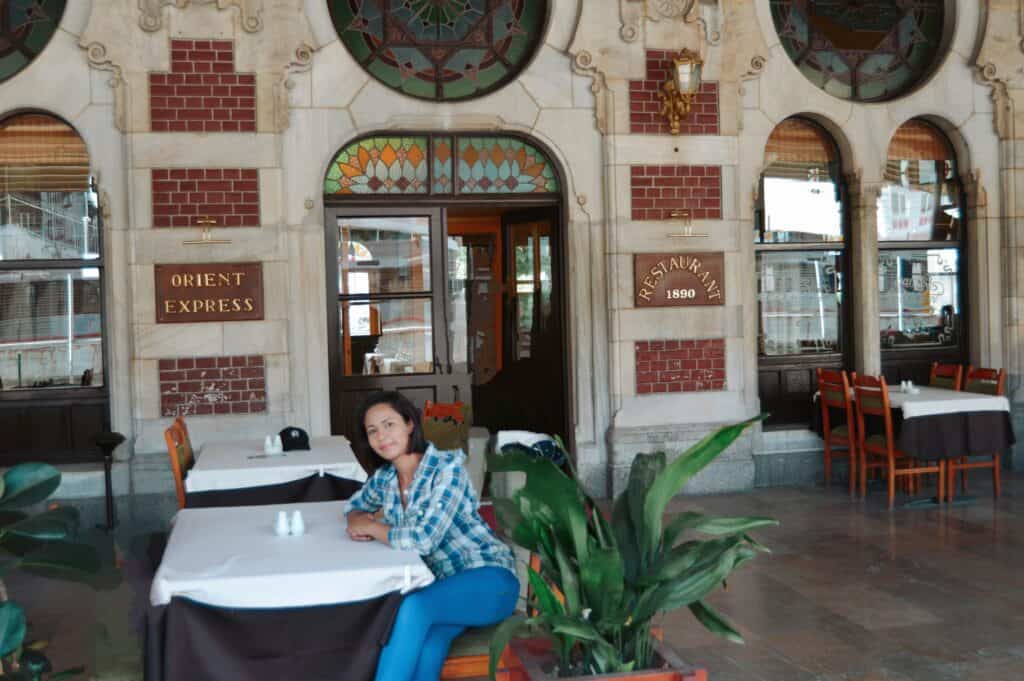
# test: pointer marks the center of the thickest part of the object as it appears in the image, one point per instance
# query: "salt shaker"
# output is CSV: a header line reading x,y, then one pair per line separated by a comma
x,y
298,527
278,446
281,526
268,445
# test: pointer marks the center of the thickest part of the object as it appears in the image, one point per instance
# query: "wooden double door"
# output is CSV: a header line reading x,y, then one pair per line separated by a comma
x,y
447,304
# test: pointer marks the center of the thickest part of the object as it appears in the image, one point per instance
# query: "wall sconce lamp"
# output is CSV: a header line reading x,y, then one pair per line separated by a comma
x,y
678,92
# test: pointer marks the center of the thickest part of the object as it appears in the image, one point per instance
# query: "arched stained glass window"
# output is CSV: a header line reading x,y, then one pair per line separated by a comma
x,y
864,50
26,26
441,49
441,164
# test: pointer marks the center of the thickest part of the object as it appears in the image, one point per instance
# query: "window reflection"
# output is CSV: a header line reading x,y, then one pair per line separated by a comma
x,y
919,298
50,328
383,255
799,301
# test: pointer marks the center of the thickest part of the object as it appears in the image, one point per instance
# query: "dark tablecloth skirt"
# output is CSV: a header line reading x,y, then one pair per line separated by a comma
x,y
313,488
941,436
189,641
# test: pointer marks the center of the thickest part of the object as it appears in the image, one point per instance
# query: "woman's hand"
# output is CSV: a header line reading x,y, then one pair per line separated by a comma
x,y
364,526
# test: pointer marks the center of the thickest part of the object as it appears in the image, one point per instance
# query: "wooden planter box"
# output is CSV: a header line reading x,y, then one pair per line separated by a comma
x,y
535,660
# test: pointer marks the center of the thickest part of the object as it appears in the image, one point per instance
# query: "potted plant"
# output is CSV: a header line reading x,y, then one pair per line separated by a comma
x,y
45,544
600,582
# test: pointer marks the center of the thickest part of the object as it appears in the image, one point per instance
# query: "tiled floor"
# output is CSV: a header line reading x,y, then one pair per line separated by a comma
x,y
851,592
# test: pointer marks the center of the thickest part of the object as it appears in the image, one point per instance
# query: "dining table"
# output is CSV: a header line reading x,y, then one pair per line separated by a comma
x,y
242,463
940,423
231,599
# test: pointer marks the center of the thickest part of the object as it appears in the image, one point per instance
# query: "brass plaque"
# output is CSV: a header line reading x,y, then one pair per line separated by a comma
x,y
217,292
678,279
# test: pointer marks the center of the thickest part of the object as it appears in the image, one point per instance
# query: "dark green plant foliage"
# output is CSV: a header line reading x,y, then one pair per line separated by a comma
x,y
48,544
614,578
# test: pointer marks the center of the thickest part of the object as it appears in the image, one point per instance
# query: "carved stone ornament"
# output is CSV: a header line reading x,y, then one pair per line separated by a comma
x,y
303,61
152,18
583,65
98,58
1003,109
669,9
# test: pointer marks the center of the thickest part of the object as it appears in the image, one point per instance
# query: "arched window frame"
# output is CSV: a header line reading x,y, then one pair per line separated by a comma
x,y
786,376
905,354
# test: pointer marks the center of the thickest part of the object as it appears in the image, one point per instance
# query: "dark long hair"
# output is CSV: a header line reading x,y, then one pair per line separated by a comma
x,y
406,409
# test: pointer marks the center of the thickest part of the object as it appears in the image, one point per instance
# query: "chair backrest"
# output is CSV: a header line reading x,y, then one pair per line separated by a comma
x,y
988,381
834,391
872,399
179,449
946,376
441,410
447,425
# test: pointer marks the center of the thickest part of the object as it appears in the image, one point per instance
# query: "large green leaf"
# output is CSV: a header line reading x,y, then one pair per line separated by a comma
x,y
691,520
554,492
53,525
568,582
12,627
642,473
545,599
675,475
714,622
602,578
28,483
626,537
501,638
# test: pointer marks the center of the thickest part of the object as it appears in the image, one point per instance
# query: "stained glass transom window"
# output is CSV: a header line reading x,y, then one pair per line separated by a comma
x,y
864,50
26,26
442,164
380,165
441,49
490,165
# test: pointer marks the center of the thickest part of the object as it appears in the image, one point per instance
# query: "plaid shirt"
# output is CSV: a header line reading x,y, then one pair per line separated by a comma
x,y
440,522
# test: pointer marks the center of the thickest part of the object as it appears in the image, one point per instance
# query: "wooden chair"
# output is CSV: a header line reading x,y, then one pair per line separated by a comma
x,y
470,656
879,451
945,376
989,382
834,388
179,448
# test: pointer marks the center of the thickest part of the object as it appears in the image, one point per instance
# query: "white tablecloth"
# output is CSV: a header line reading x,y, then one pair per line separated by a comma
x,y
242,463
934,401
230,557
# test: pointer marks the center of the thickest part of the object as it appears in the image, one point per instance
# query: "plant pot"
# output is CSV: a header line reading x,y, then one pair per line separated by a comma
x,y
536,662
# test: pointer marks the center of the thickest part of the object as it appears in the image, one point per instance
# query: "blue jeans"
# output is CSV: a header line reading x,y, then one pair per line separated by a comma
x,y
430,619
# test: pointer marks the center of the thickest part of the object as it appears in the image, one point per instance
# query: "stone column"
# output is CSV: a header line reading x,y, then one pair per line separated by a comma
x,y
863,284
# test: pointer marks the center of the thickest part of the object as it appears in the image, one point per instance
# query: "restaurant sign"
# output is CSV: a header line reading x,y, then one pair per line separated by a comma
x,y
678,279
217,292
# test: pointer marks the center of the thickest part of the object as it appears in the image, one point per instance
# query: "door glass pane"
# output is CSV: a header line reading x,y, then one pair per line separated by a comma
x,y
50,328
387,336
383,255
799,296
525,288
919,298
475,304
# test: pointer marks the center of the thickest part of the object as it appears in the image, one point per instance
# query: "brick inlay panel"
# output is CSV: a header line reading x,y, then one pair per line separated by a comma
x,y
680,366
202,93
657,191
213,385
230,196
645,105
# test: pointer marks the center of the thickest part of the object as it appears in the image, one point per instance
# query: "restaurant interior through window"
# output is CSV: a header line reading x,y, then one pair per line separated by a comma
x,y
920,244
801,256
53,396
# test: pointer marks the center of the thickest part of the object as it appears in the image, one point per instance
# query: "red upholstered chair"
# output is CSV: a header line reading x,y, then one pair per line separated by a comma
x,y
879,451
840,440
989,382
945,376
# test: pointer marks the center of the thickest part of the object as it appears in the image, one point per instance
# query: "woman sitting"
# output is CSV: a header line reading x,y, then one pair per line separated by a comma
x,y
420,499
